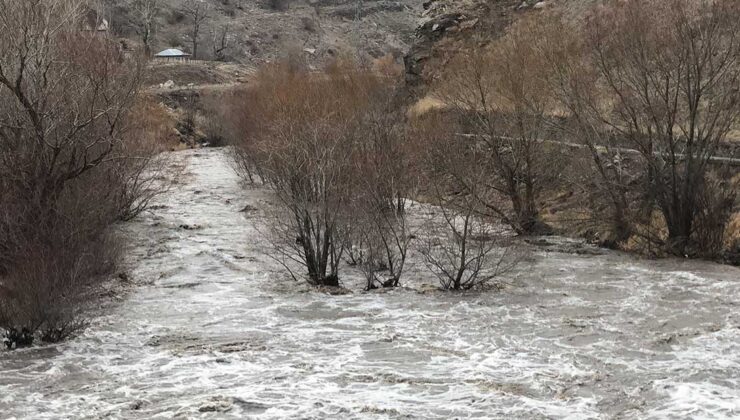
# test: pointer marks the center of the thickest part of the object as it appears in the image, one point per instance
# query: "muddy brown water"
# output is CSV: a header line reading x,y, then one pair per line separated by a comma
x,y
215,330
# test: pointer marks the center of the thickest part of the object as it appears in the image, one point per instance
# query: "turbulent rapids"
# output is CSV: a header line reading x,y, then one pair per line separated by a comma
x,y
213,328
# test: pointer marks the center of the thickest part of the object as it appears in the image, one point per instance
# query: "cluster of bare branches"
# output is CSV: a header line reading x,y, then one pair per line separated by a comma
x,y
639,95
339,156
68,167
628,105
198,12
146,13
661,80
300,141
463,244
501,110
464,250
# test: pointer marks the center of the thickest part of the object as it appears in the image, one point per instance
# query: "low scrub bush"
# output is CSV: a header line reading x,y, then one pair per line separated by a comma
x,y
329,145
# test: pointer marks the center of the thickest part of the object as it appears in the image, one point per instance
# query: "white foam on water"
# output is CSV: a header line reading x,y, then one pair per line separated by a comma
x,y
216,329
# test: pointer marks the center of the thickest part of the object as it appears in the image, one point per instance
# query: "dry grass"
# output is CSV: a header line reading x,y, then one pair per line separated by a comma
x,y
734,136
197,73
426,104
732,234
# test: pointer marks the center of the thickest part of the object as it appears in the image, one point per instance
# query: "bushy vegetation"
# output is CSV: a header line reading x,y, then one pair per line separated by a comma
x,y
659,79
625,108
343,163
72,163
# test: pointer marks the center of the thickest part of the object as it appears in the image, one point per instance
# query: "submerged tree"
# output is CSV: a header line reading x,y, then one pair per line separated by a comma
x,y
331,148
385,179
462,246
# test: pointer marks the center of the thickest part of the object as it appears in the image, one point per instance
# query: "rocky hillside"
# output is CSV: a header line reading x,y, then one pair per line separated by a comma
x,y
449,27
426,33
255,31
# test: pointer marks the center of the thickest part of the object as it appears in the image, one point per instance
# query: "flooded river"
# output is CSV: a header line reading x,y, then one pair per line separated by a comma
x,y
214,329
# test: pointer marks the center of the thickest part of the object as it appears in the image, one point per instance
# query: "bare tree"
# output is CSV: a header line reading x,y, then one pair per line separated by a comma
x,y
221,39
198,12
460,246
331,148
139,166
385,179
503,108
65,100
463,251
602,172
300,142
71,105
659,79
146,12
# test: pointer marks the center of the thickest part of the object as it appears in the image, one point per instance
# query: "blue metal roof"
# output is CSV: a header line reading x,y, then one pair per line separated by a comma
x,y
172,52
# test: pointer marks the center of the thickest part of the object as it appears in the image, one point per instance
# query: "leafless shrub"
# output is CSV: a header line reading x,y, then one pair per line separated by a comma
x,y
300,143
384,161
57,259
139,166
461,246
502,108
600,174
321,142
658,80
65,101
716,202
231,112
385,237
463,251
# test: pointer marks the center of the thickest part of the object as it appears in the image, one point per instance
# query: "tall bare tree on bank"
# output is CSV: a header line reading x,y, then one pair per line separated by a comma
x,y
673,71
146,12
602,173
660,78
65,97
197,12
501,102
221,38
71,105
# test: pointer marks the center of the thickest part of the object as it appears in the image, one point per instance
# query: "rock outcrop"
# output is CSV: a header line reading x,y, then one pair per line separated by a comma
x,y
450,27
